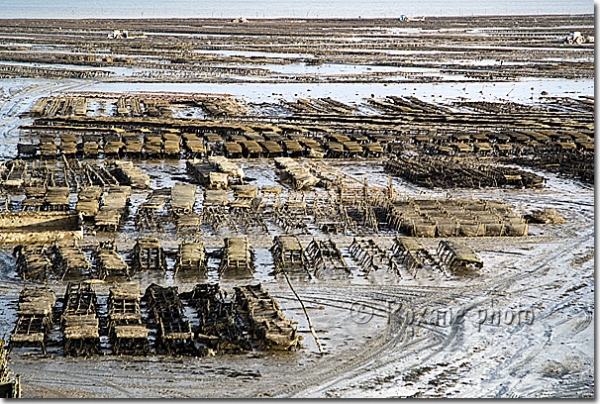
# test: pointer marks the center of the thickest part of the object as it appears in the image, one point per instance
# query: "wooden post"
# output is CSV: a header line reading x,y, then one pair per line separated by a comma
x,y
310,325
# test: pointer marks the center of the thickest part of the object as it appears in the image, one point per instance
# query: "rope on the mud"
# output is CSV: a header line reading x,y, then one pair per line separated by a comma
x,y
310,326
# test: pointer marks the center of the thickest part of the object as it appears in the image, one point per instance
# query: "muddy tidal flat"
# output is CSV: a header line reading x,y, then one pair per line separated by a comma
x,y
297,207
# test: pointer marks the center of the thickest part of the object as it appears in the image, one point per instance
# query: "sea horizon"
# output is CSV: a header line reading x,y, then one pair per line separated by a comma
x,y
278,9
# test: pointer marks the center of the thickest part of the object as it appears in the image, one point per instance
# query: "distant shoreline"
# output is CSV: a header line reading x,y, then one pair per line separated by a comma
x,y
412,19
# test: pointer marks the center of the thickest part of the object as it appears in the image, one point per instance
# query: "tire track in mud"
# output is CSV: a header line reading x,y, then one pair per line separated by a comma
x,y
45,392
517,364
348,304
585,323
380,352
129,386
394,334
383,356
79,385
10,111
